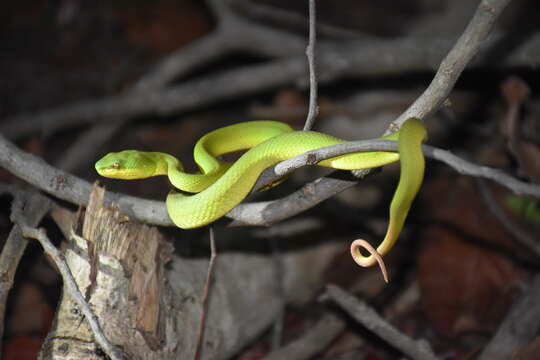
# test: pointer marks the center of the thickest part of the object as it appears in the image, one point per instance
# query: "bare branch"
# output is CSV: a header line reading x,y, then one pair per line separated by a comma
x,y
521,236
364,314
181,62
84,150
310,52
206,294
32,206
72,189
312,342
232,33
186,59
470,42
39,234
266,213
515,92
189,95
75,190
291,20
467,46
357,59
518,328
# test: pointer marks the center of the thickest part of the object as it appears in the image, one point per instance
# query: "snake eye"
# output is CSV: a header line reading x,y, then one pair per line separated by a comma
x,y
116,165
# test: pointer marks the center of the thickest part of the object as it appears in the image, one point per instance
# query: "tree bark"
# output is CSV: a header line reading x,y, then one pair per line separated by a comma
x,y
150,310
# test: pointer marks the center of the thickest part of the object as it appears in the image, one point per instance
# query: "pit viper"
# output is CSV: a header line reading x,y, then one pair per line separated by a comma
x,y
220,186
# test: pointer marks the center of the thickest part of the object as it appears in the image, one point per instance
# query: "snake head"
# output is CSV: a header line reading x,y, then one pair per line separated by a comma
x,y
127,165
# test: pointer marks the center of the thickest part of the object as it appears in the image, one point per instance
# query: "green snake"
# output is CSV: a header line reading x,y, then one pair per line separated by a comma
x,y
220,186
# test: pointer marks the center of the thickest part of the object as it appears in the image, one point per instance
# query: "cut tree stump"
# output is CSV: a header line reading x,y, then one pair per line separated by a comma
x,y
148,300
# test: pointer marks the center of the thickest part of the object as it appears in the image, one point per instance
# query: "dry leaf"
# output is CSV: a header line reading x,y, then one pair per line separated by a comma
x,y
465,285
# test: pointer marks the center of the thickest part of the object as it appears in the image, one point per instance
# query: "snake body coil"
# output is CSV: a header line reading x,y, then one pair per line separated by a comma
x,y
221,186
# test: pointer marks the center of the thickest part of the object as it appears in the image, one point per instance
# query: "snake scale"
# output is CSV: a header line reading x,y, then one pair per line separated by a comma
x,y
204,197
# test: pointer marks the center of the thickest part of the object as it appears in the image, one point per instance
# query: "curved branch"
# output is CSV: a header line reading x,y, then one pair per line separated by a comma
x,y
467,46
351,59
365,315
31,206
75,190
185,60
519,327
281,72
266,213
523,237
232,33
313,109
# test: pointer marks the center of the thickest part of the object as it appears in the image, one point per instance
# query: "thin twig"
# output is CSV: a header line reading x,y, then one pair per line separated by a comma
x,y
518,328
460,165
39,234
276,337
32,206
521,236
316,339
515,92
206,294
450,69
232,33
260,12
364,314
182,62
354,60
75,190
262,214
265,213
310,120
84,150
467,46
310,53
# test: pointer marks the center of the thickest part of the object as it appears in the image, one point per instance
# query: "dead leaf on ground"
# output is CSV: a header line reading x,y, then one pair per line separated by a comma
x,y
467,284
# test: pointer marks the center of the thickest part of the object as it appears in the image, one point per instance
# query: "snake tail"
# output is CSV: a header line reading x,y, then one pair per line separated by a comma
x,y
412,163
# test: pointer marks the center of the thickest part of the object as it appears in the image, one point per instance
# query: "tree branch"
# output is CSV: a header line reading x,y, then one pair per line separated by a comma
x,y
291,20
39,234
467,46
72,189
266,213
518,328
365,315
206,295
232,33
354,59
310,52
495,209
75,190
31,206
316,339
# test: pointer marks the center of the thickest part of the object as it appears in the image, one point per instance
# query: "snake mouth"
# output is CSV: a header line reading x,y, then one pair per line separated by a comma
x,y
125,174
113,173
107,172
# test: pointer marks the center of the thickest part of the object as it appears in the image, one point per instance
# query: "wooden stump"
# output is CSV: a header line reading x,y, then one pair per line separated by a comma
x,y
148,300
